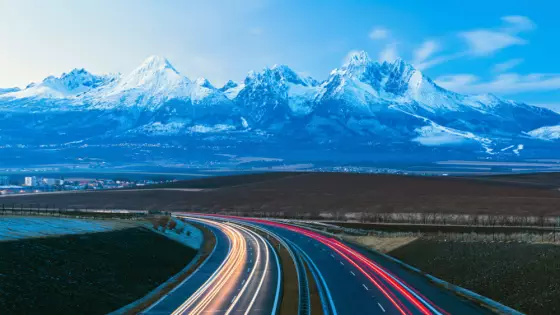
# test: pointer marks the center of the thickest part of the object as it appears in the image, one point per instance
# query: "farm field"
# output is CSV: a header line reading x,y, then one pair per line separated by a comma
x,y
551,180
12,228
225,181
440,228
326,194
92,273
524,276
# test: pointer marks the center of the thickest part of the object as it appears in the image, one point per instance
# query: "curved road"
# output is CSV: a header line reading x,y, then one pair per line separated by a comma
x,y
241,276
354,281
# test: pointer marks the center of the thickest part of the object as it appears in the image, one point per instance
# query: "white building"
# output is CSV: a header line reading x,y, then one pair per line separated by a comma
x,y
31,181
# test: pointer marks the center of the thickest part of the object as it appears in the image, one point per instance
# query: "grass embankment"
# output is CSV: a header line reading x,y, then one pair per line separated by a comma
x,y
382,244
207,247
290,288
86,274
314,295
523,276
290,285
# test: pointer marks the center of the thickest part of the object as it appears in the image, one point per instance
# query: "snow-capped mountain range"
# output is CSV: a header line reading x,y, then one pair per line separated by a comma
x,y
364,105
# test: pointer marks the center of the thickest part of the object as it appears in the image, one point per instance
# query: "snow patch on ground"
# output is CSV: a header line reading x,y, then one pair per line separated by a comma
x,y
433,136
546,133
207,129
159,128
233,92
184,233
13,228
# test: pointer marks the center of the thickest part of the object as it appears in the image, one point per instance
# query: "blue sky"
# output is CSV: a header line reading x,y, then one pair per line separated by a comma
x,y
507,48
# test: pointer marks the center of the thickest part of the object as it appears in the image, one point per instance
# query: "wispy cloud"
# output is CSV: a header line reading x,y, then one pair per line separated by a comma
x,y
426,50
426,64
389,53
518,23
454,82
484,42
378,33
508,65
480,43
423,55
504,84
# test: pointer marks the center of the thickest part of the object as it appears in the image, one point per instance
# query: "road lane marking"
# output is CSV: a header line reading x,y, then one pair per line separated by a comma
x,y
342,263
316,273
353,273
233,299
381,306
249,279
365,287
242,283
332,255
217,280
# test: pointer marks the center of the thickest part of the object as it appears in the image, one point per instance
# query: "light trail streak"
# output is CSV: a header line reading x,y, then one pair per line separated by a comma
x,y
233,262
213,294
234,302
368,268
253,234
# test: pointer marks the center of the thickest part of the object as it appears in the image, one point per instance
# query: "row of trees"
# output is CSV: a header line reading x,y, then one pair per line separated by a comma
x,y
52,210
424,218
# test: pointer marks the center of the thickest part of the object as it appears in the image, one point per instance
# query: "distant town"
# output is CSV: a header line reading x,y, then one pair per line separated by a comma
x,y
38,184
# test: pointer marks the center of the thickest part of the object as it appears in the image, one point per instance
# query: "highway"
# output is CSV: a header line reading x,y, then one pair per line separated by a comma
x,y
354,281
241,276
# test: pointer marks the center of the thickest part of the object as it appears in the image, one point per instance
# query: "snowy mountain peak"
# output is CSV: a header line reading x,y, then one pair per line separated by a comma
x,y
283,72
358,65
229,85
9,90
231,89
204,83
371,102
357,58
154,63
154,82
402,77
77,79
156,75
400,64
66,85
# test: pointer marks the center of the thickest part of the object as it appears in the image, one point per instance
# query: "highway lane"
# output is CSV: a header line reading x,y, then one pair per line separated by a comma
x,y
358,282
260,292
174,299
244,282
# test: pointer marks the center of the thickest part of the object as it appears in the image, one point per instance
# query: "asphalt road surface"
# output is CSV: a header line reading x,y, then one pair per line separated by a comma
x,y
241,276
355,281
